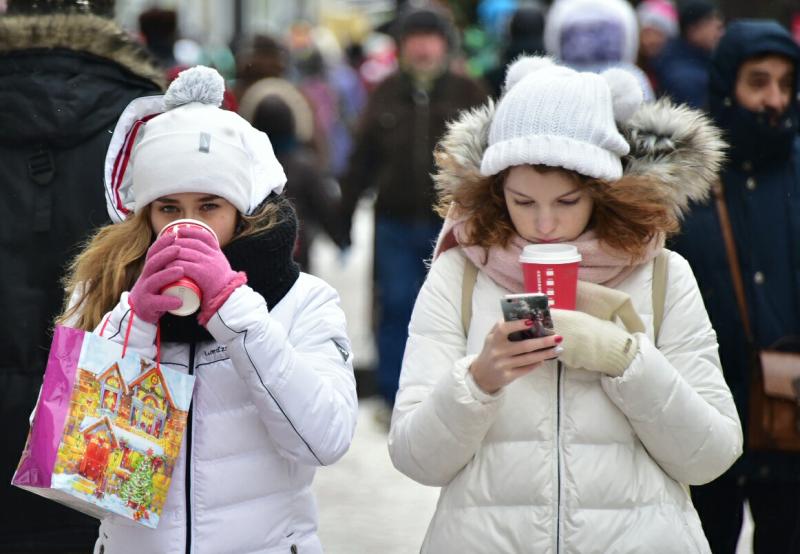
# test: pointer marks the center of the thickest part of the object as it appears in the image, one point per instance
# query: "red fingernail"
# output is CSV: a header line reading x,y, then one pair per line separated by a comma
x,y
558,339
528,322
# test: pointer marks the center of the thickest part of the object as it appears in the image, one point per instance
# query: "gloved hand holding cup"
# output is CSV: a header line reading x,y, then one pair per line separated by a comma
x,y
185,288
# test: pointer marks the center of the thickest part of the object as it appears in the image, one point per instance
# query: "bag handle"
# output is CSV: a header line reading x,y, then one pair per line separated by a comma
x,y
733,258
128,334
467,286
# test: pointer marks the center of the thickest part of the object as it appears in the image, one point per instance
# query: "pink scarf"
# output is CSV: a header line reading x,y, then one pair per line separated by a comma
x,y
600,264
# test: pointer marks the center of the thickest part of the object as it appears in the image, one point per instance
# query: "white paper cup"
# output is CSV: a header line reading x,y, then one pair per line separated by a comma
x,y
184,288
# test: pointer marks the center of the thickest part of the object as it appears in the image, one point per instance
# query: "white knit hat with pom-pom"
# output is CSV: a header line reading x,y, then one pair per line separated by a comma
x,y
193,146
555,116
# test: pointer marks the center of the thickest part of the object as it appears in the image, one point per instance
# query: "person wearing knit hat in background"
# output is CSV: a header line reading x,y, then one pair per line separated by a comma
x,y
524,36
67,71
393,155
580,441
754,97
658,23
277,108
275,393
682,68
595,35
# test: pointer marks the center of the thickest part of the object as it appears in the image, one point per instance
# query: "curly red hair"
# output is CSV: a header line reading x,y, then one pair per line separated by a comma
x,y
627,213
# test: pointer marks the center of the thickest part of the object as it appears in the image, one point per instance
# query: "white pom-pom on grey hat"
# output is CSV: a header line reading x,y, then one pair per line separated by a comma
x,y
626,94
558,117
196,84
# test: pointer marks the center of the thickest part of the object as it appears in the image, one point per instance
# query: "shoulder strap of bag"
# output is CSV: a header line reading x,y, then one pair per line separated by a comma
x,y
467,286
733,258
659,291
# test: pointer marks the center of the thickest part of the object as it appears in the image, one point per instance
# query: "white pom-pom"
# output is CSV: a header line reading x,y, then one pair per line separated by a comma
x,y
524,66
626,93
196,84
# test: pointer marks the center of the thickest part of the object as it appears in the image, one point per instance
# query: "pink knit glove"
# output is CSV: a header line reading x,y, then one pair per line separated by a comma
x,y
204,263
145,297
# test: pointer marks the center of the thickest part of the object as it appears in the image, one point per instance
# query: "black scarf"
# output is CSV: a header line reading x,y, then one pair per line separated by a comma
x,y
754,139
266,258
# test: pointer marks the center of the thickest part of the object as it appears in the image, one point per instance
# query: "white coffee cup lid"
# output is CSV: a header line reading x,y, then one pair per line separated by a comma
x,y
174,225
550,254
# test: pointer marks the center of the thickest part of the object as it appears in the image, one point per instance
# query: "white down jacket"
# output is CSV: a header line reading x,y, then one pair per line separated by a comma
x,y
563,460
273,398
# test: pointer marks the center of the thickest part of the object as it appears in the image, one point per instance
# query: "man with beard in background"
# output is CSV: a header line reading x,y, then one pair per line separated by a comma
x,y
753,97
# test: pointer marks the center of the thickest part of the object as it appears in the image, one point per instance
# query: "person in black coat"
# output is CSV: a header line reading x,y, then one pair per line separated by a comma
x,y
66,74
681,69
525,37
753,97
393,155
275,107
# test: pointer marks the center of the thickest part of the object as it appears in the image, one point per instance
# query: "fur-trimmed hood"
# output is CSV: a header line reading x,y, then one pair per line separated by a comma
x,y
678,147
89,34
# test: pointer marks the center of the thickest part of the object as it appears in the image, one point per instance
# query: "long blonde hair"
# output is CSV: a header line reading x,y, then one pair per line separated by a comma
x,y
112,259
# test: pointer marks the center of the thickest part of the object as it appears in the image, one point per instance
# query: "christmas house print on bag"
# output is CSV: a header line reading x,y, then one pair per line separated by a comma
x,y
123,433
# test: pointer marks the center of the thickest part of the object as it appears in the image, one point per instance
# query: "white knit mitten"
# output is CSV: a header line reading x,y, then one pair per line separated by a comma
x,y
593,344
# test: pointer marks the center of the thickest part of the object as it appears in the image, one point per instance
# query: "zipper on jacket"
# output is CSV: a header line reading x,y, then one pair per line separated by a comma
x,y
188,473
559,372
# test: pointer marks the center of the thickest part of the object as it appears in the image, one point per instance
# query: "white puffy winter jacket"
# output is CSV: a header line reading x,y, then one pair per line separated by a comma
x,y
563,460
274,398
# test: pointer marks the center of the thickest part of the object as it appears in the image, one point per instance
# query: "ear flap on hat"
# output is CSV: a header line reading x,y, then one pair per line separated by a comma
x,y
268,175
117,174
626,93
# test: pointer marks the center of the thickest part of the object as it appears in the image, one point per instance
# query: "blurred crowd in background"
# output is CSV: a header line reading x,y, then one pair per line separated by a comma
x,y
354,96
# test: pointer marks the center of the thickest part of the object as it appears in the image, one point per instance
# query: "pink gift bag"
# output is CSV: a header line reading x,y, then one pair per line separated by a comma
x,y
107,429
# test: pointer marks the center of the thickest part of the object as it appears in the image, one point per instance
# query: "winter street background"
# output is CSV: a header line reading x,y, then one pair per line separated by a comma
x,y
365,504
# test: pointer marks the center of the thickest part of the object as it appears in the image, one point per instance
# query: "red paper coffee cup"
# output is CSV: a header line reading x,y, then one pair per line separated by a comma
x,y
184,288
553,270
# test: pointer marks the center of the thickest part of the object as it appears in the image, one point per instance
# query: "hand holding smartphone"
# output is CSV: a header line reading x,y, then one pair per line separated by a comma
x,y
530,305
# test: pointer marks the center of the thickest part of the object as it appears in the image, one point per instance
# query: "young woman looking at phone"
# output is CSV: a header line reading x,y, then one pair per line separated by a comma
x,y
582,441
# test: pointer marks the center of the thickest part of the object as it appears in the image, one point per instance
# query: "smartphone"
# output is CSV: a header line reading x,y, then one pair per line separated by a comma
x,y
530,305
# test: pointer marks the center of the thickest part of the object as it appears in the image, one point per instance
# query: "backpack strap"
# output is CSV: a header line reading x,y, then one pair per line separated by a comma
x,y
467,286
659,291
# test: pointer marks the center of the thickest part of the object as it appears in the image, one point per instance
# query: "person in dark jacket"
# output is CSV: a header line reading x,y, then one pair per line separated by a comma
x,y
682,68
393,152
754,99
525,36
277,108
66,74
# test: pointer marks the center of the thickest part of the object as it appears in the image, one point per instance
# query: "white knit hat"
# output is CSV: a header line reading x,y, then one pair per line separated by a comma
x,y
555,116
193,146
